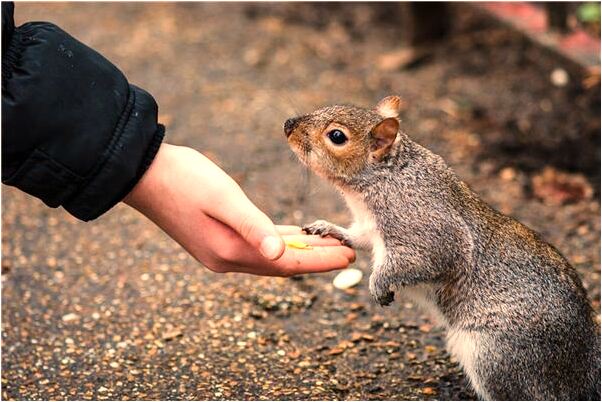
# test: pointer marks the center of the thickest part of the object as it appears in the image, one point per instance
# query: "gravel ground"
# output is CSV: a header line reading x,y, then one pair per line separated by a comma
x,y
116,310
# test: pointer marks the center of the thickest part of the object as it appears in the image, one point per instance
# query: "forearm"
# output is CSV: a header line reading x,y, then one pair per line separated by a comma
x,y
75,133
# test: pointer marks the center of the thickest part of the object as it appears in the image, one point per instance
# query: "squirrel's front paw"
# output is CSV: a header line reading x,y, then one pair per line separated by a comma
x,y
380,290
319,227
322,228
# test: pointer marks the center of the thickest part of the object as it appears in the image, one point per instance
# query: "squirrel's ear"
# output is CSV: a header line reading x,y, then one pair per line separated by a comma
x,y
383,136
389,106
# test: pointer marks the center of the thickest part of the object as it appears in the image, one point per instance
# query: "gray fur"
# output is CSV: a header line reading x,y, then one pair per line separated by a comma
x,y
515,309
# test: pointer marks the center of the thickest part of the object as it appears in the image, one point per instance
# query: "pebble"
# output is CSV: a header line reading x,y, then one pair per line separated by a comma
x,y
428,391
559,77
70,317
347,278
169,335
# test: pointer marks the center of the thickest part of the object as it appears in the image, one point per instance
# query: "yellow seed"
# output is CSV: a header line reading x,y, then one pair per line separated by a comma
x,y
298,244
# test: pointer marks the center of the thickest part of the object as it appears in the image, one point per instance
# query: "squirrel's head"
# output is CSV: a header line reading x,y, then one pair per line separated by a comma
x,y
337,142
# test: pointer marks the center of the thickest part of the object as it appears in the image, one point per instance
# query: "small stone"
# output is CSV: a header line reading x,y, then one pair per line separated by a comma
x,y
335,351
114,364
559,77
330,334
345,345
368,338
507,174
430,349
428,391
347,278
546,105
103,390
70,317
169,335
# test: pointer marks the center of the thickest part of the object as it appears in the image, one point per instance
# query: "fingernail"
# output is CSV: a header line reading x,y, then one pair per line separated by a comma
x,y
271,247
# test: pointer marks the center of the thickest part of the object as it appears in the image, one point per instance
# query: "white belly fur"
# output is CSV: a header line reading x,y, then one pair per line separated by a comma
x,y
364,228
465,346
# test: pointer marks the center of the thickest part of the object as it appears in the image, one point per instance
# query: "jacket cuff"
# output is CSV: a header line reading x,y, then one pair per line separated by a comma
x,y
130,152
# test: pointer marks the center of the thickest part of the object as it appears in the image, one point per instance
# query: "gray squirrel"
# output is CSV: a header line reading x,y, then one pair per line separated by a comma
x,y
517,316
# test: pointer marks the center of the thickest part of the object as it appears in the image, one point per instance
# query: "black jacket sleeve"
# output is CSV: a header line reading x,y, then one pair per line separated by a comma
x,y
75,133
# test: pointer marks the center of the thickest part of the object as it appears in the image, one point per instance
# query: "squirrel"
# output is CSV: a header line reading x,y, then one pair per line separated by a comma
x,y
516,314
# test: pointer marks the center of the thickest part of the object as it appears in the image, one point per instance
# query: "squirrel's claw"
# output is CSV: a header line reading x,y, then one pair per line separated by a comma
x,y
346,242
385,299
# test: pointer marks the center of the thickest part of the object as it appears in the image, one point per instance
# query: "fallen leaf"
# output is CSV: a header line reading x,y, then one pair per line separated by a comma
x,y
554,187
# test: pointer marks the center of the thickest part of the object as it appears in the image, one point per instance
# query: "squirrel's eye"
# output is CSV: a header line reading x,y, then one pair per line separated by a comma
x,y
337,137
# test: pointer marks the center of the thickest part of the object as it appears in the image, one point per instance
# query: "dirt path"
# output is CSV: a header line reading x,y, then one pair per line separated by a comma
x,y
115,310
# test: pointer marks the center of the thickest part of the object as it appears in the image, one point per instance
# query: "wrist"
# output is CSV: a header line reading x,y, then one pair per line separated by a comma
x,y
148,184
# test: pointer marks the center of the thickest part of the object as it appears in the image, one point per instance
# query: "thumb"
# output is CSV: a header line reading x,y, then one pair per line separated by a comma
x,y
238,212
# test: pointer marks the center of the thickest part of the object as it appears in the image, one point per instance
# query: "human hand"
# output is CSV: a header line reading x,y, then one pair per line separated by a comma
x,y
206,212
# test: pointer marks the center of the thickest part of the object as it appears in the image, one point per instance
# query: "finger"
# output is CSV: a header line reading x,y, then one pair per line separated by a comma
x,y
318,259
324,256
319,245
312,240
238,212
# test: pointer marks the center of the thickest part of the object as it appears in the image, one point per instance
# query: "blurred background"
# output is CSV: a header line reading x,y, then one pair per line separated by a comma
x,y
508,94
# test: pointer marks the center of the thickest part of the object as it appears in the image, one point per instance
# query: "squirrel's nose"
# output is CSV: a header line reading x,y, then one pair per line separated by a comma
x,y
290,125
